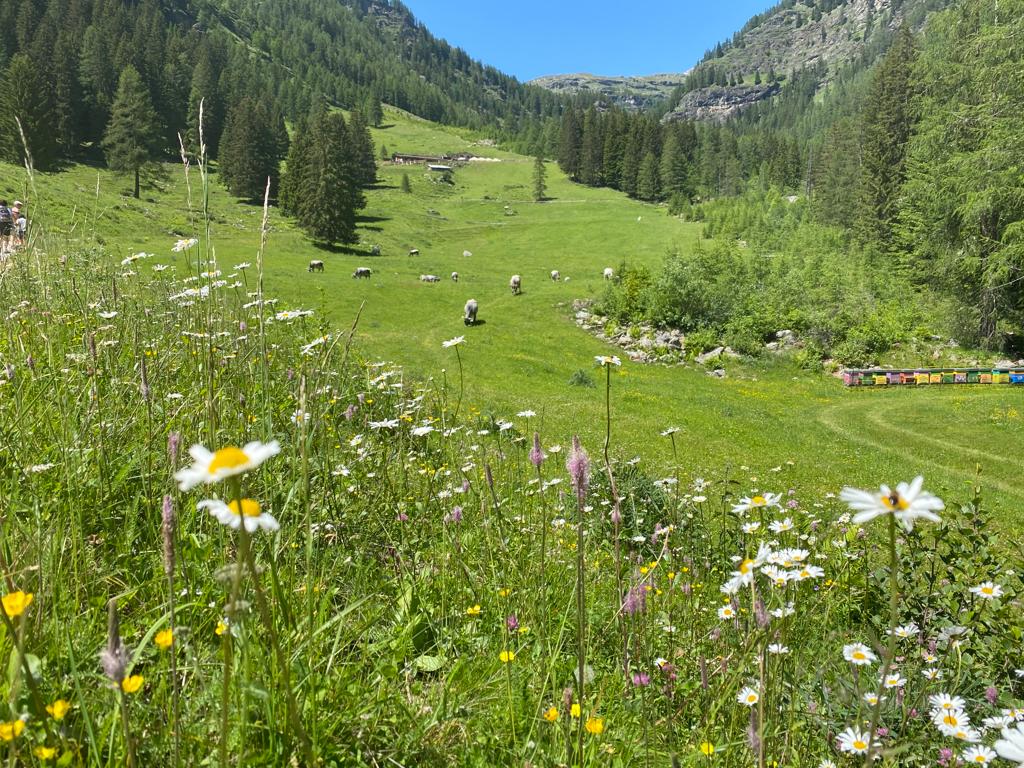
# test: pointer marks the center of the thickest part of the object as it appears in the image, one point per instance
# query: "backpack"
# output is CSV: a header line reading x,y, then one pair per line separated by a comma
x,y
5,215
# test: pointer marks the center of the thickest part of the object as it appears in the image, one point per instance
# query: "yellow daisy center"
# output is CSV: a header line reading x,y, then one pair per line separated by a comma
x,y
980,759
895,501
250,507
228,458
858,744
987,590
746,565
759,501
859,655
752,697
950,720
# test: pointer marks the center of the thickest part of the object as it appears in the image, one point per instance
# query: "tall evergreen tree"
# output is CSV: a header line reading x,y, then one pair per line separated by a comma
x,y
248,151
132,140
889,117
26,98
540,176
648,184
361,144
592,150
570,145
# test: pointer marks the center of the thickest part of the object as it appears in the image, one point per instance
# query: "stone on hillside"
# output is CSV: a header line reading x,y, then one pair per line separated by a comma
x,y
718,373
710,355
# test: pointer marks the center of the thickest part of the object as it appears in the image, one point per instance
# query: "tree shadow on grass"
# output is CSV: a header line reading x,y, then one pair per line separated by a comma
x,y
345,250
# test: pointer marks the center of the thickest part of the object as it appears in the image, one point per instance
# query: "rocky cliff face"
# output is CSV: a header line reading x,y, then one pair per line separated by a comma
x,y
635,93
720,103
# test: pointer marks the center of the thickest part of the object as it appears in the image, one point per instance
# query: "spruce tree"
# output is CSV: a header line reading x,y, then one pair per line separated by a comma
x,y
361,144
648,185
889,118
132,139
540,175
570,144
248,151
592,150
406,184
25,98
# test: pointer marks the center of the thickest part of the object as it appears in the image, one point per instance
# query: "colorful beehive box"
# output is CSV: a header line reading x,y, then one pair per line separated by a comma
x,y
851,378
935,377
908,377
922,377
1000,377
1017,377
894,377
880,379
948,377
960,377
866,379
984,378
973,377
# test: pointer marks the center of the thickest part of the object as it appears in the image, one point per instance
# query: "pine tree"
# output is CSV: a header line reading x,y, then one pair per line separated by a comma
x,y
132,139
374,111
889,118
361,144
384,154
248,151
540,175
406,184
592,151
25,98
570,144
675,167
648,185
205,96
321,187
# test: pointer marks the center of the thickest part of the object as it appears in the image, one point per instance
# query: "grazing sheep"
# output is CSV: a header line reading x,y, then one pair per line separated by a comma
x,y
362,272
375,251
469,313
430,278
455,277
609,273
555,277
316,266
467,254
414,251
516,284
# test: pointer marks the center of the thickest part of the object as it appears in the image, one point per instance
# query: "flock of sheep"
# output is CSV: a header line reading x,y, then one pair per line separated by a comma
x,y
515,283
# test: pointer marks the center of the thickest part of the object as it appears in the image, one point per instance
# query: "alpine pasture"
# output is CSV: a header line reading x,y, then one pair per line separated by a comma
x,y
418,579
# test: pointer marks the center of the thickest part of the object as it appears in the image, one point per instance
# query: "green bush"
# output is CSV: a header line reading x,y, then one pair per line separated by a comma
x,y
581,378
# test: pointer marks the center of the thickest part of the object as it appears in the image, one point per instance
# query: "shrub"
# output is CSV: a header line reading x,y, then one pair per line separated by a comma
x,y
581,378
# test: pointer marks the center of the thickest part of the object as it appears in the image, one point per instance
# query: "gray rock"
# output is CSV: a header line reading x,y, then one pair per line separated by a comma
x,y
718,373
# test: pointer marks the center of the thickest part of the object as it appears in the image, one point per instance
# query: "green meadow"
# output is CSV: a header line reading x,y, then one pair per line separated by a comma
x,y
767,419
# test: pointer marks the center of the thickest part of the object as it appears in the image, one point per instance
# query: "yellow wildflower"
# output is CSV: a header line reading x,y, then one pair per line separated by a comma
x,y
551,715
595,725
707,748
507,656
9,731
132,684
15,603
473,610
164,639
44,753
58,709
574,710
221,628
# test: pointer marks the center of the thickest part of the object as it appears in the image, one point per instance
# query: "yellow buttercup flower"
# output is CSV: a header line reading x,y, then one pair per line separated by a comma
x,y
15,603
707,748
9,731
507,656
58,709
551,714
132,684
221,628
164,639
595,726
44,753
574,710
473,610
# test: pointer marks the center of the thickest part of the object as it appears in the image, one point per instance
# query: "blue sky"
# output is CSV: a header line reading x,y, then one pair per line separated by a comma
x,y
529,38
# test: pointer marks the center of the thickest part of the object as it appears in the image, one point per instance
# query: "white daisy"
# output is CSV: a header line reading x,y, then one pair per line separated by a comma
x,y
226,462
251,514
906,631
603,360
751,527
748,696
421,431
943,701
854,741
907,503
951,720
858,654
778,648
987,590
726,612
748,503
978,755
781,526
453,342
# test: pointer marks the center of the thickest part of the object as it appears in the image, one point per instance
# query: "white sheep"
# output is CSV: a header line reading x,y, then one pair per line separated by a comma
x,y
467,254
469,313
455,277
430,278
516,284
316,266
609,273
362,272
555,277
414,251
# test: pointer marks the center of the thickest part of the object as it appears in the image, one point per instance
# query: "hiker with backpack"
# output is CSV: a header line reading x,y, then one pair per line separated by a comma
x,y
6,224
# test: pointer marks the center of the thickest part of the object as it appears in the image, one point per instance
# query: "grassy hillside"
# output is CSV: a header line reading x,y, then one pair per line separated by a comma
x,y
761,417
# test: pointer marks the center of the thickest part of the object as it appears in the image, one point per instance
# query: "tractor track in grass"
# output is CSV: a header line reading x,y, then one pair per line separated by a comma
x,y
831,417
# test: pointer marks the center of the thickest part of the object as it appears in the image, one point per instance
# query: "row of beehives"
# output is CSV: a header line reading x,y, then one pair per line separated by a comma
x,y
877,378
